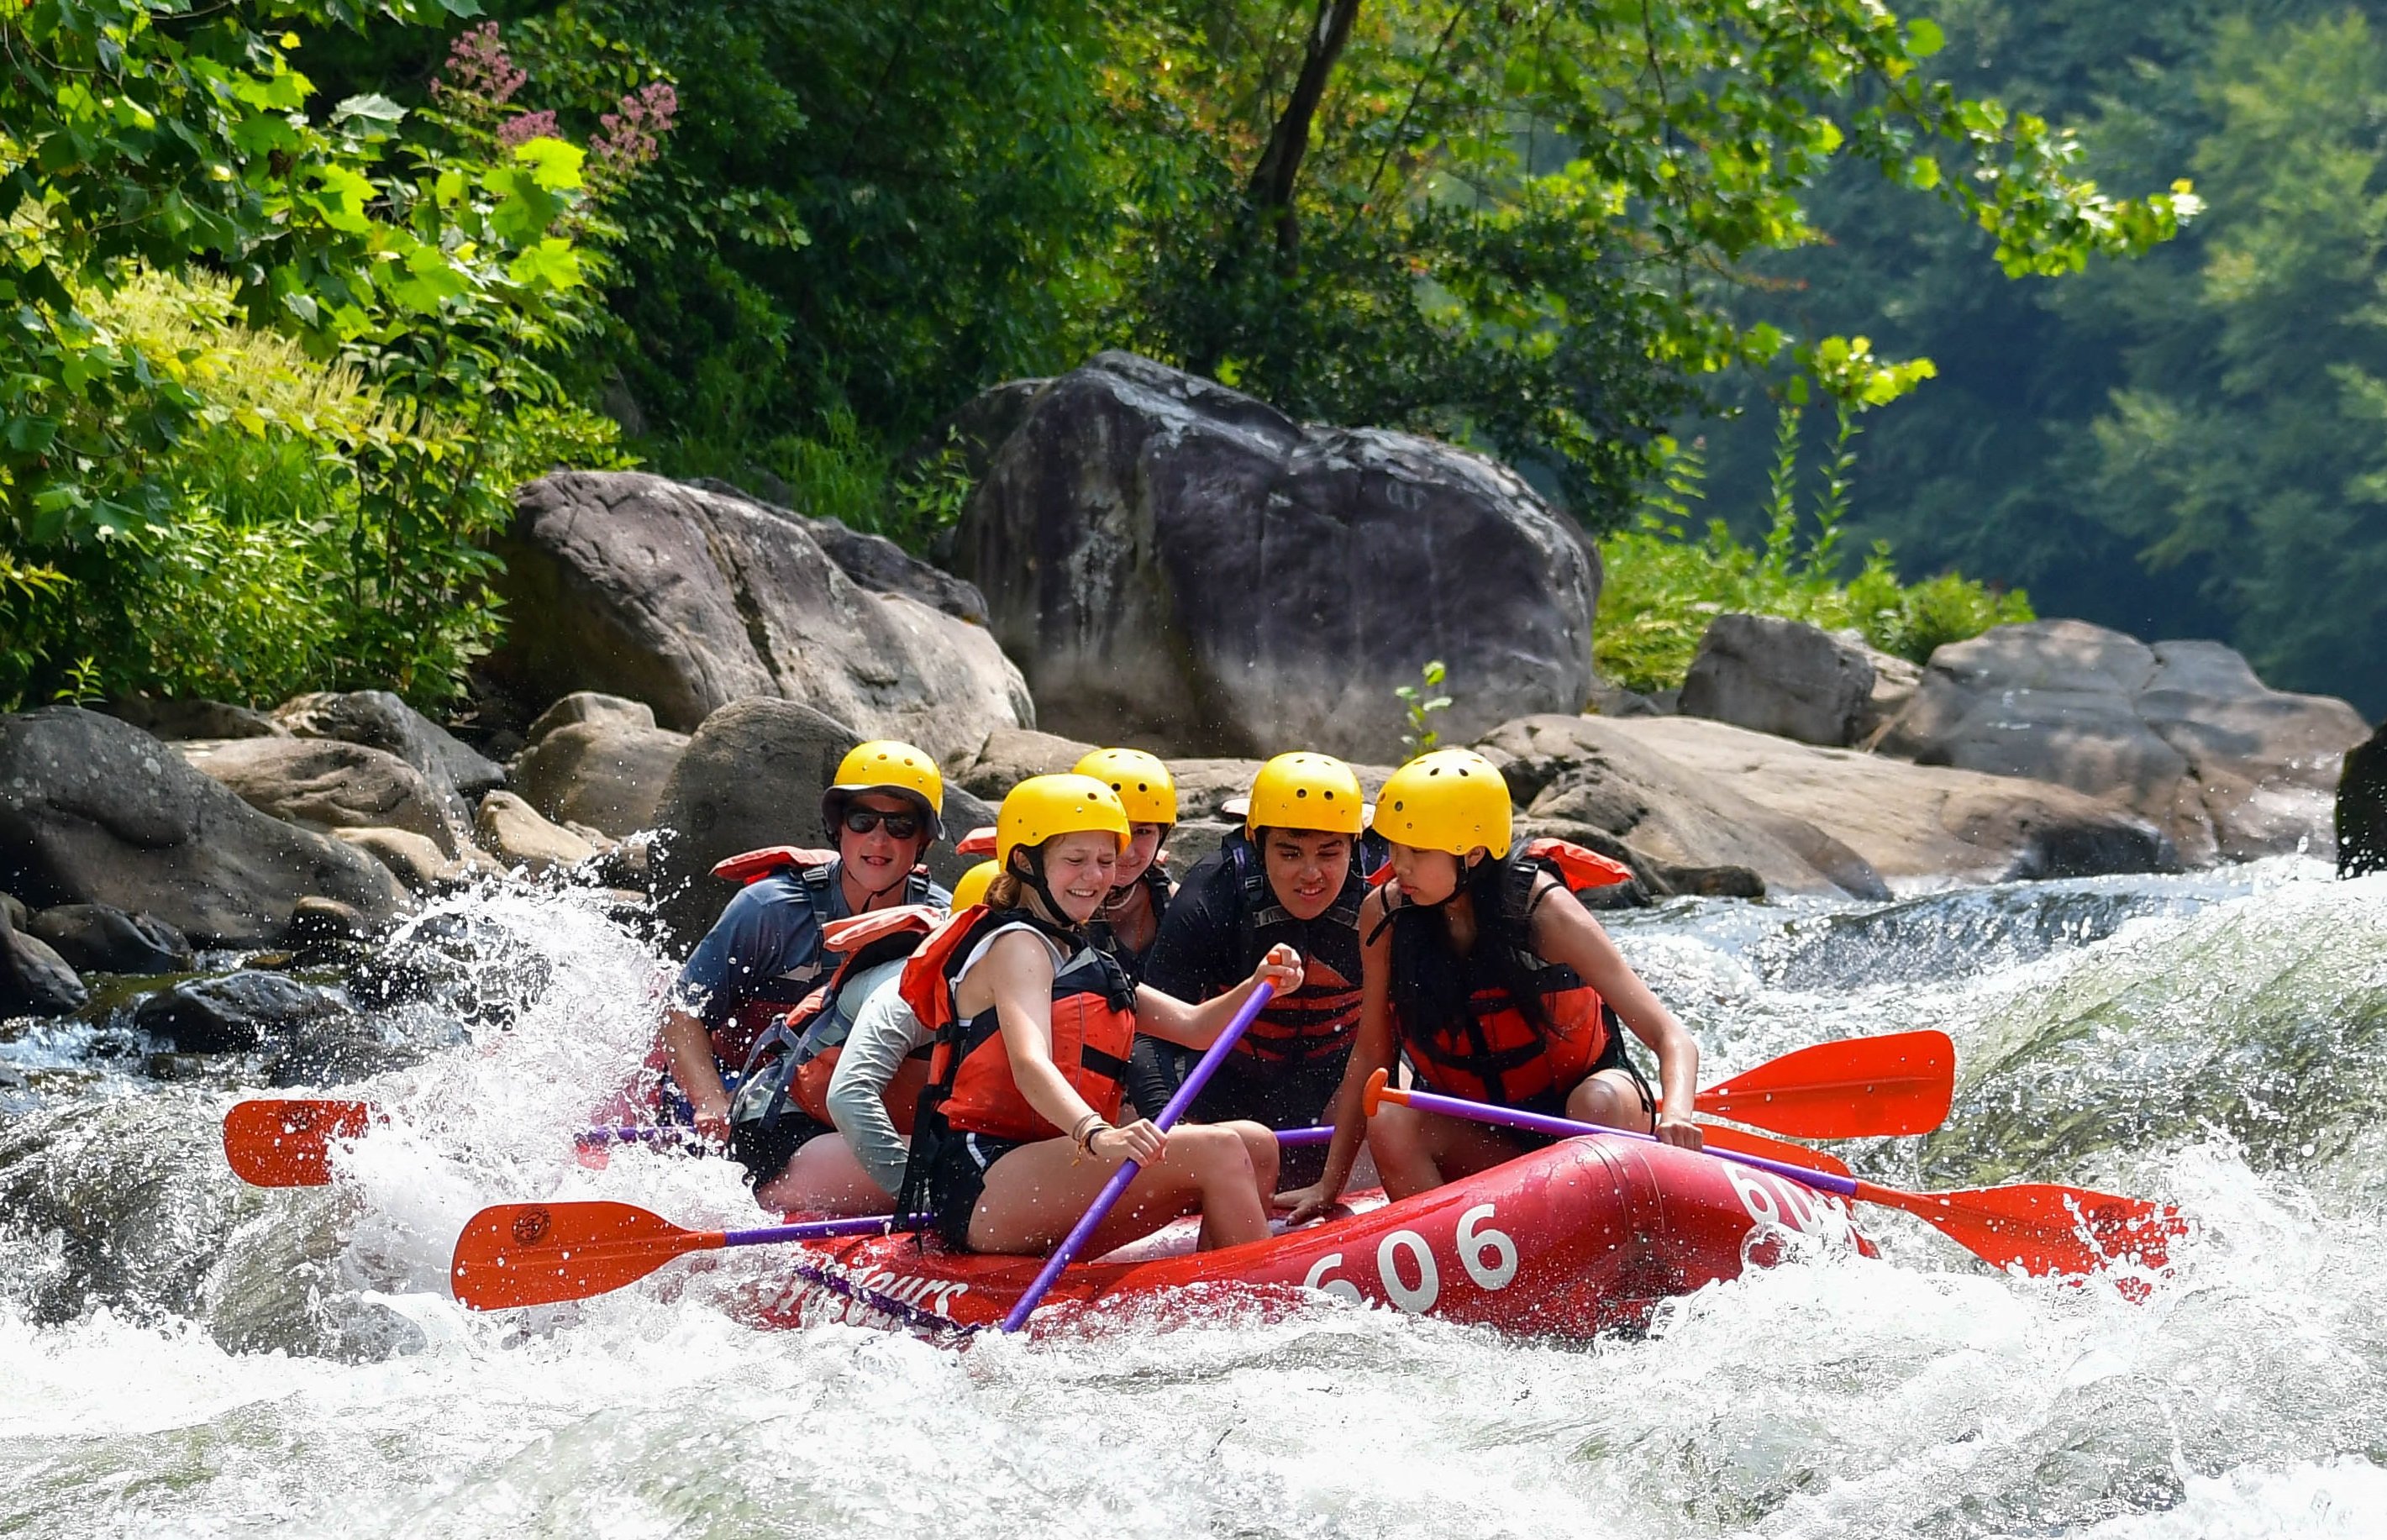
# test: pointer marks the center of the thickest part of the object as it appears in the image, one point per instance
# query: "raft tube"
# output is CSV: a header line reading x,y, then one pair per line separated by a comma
x,y
1582,1237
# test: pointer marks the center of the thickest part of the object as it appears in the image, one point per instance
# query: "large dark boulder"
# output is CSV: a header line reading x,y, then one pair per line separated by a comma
x,y
237,1012
2181,732
2362,809
95,811
328,784
873,561
687,600
1781,676
1179,565
379,720
34,980
97,938
752,777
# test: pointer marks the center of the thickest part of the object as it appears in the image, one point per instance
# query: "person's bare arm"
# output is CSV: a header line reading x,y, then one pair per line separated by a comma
x,y
1161,1014
690,1049
1373,1049
1565,932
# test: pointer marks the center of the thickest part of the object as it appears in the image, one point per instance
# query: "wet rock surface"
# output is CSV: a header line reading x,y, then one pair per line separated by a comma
x,y
1177,564
378,719
2362,809
237,1011
34,980
607,773
98,811
94,938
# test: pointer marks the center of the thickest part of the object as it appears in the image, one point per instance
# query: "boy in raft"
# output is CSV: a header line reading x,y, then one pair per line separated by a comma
x,y
1294,879
765,954
1129,919
1497,983
1033,1028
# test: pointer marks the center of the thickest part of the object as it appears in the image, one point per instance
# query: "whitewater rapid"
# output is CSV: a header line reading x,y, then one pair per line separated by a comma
x,y
180,1355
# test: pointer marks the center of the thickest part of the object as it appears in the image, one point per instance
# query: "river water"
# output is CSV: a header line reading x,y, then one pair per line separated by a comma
x,y
180,1355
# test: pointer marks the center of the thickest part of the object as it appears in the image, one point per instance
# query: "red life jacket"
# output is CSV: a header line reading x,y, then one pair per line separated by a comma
x,y
735,1041
971,1081
812,1037
1318,1021
1494,1053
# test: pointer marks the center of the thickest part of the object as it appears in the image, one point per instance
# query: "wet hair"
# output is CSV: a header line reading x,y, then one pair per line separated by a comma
x,y
1431,980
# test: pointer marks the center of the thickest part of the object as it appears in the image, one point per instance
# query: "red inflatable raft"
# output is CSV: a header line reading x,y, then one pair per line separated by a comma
x,y
1583,1236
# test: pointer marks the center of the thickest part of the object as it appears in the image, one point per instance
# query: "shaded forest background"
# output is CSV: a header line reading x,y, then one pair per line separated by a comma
x,y
1805,307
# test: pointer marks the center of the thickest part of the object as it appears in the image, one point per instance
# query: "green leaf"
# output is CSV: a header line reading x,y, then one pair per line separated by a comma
x,y
1924,37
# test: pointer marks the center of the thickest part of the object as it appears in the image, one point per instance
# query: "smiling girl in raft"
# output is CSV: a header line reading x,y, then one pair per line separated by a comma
x,y
1499,986
1034,1029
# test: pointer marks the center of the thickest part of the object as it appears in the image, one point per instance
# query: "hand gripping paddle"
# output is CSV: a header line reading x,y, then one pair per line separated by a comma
x,y
2039,1227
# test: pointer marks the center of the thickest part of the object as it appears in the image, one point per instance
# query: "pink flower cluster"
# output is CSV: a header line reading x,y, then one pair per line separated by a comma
x,y
630,138
525,126
478,68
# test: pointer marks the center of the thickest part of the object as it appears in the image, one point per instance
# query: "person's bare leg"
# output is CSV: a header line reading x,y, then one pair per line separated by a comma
x,y
1609,1099
823,1177
1418,1151
1034,1194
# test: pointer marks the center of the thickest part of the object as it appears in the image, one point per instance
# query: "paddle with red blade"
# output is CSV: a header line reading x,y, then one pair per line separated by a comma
x,y
1861,1088
286,1141
517,1254
2039,1227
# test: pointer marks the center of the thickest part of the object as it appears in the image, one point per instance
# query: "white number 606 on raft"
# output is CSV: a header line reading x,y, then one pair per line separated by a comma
x,y
1488,1256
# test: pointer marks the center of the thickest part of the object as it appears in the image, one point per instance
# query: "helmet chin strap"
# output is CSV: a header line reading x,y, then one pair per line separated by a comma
x,y
1034,878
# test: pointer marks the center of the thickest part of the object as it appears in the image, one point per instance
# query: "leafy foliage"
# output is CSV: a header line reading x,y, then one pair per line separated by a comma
x,y
225,511
1664,586
1419,703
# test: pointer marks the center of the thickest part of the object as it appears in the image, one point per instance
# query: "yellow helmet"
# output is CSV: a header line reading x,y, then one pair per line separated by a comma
x,y
1306,791
1451,800
972,887
1144,787
1043,806
883,764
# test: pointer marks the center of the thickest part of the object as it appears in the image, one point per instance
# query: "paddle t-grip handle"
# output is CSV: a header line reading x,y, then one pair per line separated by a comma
x,y
1066,1252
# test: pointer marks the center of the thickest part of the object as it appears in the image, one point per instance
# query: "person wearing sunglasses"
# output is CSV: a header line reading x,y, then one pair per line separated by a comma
x,y
765,954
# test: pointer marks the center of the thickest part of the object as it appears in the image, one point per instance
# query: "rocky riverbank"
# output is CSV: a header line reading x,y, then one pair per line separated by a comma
x,y
1147,559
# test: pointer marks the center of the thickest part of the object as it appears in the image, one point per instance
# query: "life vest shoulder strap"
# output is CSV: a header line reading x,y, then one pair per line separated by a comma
x,y
751,867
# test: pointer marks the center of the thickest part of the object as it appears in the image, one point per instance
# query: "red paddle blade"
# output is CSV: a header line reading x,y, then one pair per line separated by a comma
x,y
1741,1142
286,1142
515,1254
2044,1229
1862,1088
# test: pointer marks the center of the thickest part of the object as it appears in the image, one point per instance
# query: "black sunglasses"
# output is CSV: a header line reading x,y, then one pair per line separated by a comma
x,y
900,825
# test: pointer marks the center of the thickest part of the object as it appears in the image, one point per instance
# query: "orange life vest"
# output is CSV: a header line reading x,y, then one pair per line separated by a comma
x,y
970,1083
796,1057
1316,1023
1494,1052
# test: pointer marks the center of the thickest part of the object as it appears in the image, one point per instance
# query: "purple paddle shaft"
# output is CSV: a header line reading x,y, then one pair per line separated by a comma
x,y
1067,1250
812,1230
1567,1127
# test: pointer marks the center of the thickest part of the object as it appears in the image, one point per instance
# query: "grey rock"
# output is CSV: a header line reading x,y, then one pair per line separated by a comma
x,y
34,980
1180,565
14,909
589,706
1917,827
234,1013
689,600
753,776
874,562
512,830
185,719
95,811
606,774
379,720
2181,733
325,784
1010,755
94,938
415,860
2362,809
315,919
1780,676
